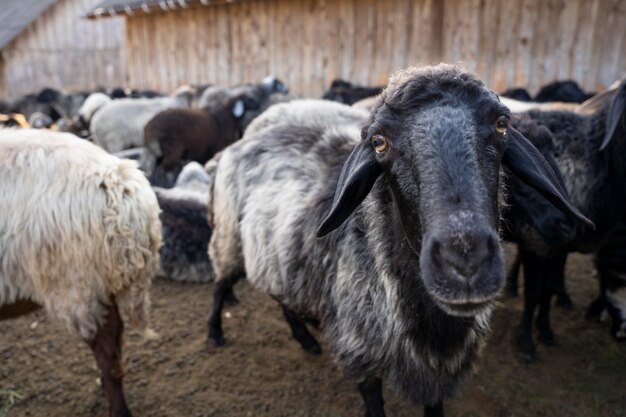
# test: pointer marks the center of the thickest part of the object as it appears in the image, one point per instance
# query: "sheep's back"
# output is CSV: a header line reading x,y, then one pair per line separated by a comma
x,y
78,226
274,188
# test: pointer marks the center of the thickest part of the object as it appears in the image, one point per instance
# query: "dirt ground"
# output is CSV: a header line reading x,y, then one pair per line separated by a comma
x,y
263,372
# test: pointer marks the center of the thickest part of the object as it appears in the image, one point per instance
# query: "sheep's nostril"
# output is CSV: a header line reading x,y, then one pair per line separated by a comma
x,y
466,255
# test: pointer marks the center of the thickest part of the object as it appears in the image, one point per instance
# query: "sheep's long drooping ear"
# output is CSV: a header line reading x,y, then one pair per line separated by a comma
x,y
525,161
358,175
617,115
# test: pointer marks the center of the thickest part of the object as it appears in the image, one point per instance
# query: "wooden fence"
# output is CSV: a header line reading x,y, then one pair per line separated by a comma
x,y
307,43
62,50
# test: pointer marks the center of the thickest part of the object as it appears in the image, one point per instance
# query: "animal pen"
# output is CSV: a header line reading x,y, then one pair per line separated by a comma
x,y
406,235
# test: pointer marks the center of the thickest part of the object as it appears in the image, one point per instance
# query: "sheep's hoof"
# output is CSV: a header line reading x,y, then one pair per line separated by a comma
x,y
122,413
546,337
217,338
563,301
526,346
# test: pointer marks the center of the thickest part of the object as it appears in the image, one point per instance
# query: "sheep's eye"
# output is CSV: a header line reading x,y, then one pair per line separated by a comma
x,y
501,125
380,143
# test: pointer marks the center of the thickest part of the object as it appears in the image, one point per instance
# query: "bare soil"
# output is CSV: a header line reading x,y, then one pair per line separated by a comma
x,y
263,372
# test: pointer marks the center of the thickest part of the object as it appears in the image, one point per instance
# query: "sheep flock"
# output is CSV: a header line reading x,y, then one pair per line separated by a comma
x,y
376,217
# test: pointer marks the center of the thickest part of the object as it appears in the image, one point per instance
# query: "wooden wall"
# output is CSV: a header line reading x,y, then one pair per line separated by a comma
x,y
307,43
62,50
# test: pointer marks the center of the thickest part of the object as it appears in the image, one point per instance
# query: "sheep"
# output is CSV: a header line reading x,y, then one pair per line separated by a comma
x,y
527,213
176,136
186,232
80,237
519,94
91,105
119,124
526,208
590,154
404,282
567,91
345,92
40,120
306,111
610,261
258,97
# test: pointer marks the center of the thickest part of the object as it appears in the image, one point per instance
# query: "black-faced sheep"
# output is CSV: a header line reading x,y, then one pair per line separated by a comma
x,y
404,281
258,97
591,151
347,93
79,235
176,136
186,233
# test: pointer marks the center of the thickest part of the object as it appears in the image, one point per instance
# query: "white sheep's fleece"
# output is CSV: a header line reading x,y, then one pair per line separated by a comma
x,y
78,226
92,104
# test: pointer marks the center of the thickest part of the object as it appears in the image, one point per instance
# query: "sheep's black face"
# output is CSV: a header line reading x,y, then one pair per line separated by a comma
x,y
438,136
440,149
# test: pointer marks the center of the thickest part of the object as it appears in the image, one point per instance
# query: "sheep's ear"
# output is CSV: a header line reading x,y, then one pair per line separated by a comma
x,y
616,115
358,175
238,108
527,163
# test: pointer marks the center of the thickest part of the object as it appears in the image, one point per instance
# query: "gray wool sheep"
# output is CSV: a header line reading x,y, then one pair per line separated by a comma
x,y
404,281
79,235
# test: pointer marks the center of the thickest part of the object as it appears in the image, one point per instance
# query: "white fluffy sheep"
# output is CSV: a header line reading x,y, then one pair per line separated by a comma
x,y
79,235
91,105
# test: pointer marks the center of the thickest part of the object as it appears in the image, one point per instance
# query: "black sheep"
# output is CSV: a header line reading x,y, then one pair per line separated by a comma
x,y
591,153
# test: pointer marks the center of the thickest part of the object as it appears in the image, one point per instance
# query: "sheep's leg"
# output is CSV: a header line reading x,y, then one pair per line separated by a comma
x,y
533,274
434,410
300,332
107,348
563,299
512,277
222,290
230,298
372,392
551,283
18,308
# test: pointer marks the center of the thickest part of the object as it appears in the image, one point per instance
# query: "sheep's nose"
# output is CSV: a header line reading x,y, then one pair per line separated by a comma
x,y
465,253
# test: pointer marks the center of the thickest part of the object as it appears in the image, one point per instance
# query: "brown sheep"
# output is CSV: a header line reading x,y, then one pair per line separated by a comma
x,y
177,136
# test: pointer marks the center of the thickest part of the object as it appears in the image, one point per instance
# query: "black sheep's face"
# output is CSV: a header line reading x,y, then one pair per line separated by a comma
x,y
441,157
438,136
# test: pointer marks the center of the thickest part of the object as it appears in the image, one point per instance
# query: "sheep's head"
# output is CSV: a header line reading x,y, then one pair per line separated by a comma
x,y
438,136
526,205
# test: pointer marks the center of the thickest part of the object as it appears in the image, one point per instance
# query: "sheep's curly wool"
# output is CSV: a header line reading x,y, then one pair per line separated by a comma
x,y
78,227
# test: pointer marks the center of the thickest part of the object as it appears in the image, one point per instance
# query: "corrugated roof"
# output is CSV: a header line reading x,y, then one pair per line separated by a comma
x,y
130,7
15,16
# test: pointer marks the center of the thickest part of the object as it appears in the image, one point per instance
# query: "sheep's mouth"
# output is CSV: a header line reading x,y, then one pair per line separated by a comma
x,y
465,308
